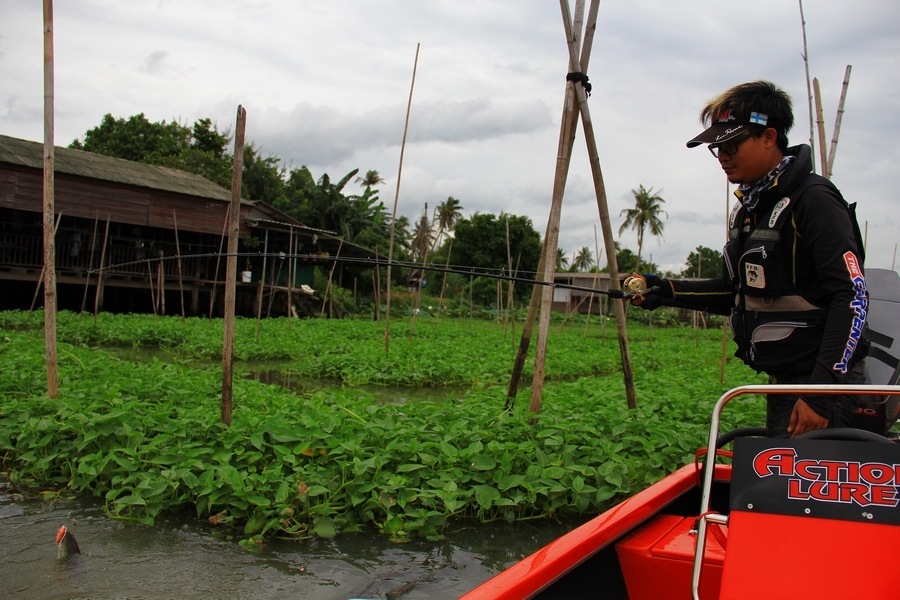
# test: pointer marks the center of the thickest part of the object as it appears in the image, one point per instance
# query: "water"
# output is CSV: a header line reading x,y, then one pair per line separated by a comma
x,y
186,558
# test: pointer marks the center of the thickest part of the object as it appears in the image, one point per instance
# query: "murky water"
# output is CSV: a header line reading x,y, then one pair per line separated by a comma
x,y
188,559
185,559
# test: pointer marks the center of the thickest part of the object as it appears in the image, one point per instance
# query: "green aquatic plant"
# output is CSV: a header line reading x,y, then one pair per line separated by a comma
x,y
144,437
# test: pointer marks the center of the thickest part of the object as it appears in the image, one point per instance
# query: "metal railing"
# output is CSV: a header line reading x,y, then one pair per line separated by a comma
x,y
818,390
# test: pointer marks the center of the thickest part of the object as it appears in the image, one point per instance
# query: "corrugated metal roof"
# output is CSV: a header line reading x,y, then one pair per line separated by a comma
x,y
106,168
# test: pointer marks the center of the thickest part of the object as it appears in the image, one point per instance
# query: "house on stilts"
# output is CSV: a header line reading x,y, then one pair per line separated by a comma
x,y
133,237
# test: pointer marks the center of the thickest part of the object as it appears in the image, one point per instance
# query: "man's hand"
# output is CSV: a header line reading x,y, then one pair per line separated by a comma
x,y
804,418
646,291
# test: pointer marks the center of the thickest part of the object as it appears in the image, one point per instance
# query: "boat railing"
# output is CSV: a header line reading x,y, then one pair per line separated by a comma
x,y
818,390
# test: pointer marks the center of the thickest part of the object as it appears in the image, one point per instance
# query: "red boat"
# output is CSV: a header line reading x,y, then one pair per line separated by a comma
x,y
814,517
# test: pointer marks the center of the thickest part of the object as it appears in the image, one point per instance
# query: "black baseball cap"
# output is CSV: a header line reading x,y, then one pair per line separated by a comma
x,y
728,124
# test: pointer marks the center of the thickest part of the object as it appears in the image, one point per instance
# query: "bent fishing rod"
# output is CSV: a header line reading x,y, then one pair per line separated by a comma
x,y
634,287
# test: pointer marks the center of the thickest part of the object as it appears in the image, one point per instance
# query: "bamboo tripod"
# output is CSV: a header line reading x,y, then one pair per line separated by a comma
x,y
575,104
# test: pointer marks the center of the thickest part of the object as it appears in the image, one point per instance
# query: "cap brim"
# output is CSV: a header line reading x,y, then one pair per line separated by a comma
x,y
718,133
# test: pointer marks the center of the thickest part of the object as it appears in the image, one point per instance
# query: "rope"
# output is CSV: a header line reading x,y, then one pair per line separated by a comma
x,y
582,79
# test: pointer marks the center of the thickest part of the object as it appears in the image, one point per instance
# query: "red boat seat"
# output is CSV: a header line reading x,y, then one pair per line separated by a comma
x,y
781,557
657,560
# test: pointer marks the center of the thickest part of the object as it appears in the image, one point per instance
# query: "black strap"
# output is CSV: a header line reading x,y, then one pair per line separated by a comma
x,y
582,79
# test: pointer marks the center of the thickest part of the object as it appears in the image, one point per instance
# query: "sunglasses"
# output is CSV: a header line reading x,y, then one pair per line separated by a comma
x,y
730,147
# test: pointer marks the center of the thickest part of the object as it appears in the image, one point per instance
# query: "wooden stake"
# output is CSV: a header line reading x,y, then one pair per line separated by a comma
x,y
234,224
215,277
87,279
43,276
820,126
567,132
837,123
98,294
387,315
178,256
809,93
605,225
49,230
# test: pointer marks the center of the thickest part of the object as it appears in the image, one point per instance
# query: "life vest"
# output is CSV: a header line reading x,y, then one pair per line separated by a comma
x,y
776,328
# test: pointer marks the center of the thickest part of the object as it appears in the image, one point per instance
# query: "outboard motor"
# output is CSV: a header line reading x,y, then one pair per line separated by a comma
x,y
882,334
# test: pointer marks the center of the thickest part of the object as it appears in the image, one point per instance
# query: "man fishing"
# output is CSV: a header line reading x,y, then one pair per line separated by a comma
x,y
793,281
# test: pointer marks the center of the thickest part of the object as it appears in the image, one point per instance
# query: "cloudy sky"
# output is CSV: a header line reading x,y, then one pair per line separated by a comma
x,y
326,85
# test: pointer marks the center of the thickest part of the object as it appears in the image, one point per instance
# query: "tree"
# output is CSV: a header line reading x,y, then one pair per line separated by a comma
x,y
421,237
201,149
562,261
448,213
584,260
371,179
262,178
703,262
644,216
481,243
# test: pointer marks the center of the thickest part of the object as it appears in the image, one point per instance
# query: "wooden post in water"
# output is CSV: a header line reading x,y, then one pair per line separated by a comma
x,y
178,256
567,132
98,293
387,311
600,189
234,224
49,229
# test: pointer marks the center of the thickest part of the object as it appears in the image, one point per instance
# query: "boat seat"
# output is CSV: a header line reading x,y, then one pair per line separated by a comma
x,y
813,519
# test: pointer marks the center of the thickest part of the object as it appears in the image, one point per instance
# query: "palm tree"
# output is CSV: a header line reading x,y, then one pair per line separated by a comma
x,y
644,216
562,261
421,237
584,260
371,179
448,213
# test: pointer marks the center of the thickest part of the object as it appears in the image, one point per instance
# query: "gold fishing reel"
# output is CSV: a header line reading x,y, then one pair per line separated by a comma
x,y
635,285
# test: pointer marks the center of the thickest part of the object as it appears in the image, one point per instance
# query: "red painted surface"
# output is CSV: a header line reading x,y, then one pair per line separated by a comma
x,y
538,571
786,557
658,559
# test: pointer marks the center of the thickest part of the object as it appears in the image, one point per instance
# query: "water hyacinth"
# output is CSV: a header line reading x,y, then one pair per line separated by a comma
x,y
145,438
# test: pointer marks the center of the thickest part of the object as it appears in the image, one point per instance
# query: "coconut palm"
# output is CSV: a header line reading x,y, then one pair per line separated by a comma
x,y
448,213
421,237
584,260
562,261
645,216
371,179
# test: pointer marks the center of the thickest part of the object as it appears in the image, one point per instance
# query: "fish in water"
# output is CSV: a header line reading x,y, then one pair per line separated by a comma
x,y
65,543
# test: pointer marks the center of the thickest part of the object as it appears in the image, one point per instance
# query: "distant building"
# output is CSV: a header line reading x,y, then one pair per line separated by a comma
x,y
581,300
133,237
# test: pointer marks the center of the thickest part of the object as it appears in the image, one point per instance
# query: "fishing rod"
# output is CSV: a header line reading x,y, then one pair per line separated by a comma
x,y
634,287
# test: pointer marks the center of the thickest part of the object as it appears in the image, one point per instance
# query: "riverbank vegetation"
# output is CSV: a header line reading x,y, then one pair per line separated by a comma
x,y
144,436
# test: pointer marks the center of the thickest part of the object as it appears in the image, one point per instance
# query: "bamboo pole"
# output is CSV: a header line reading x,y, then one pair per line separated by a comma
x,y
41,280
215,278
99,291
567,129
605,225
178,255
48,198
262,284
87,279
152,291
387,312
234,224
725,324
328,288
820,126
809,92
444,283
837,122
290,282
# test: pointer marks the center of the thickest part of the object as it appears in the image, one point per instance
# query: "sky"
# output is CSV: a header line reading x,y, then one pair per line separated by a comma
x,y
327,85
